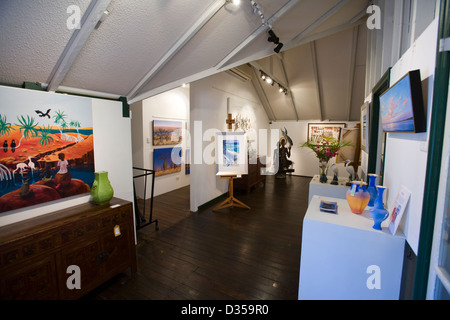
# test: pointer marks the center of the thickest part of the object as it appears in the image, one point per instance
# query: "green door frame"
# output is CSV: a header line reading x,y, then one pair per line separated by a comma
x,y
435,145
381,86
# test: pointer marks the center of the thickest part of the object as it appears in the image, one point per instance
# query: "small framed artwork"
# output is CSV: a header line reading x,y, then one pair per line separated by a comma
x,y
400,203
365,127
166,132
231,153
317,130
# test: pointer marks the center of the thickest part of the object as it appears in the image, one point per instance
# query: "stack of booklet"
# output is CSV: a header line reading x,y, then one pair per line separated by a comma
x,y
328,206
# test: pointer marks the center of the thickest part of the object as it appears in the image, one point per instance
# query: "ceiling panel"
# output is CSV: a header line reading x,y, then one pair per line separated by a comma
x,y
130,41
32,38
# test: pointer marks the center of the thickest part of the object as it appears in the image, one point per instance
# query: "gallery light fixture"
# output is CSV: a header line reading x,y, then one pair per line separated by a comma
x,y
272,36
266,78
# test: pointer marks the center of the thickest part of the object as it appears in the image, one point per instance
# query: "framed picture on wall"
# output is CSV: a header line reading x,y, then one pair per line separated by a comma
x,y
167,132
231,153
166,161
365,127
317,130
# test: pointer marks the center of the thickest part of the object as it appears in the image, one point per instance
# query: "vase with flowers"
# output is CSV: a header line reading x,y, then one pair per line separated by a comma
x,y
325,150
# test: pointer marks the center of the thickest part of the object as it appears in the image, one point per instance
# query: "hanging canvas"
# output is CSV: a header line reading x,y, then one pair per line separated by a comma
x,y
317,130
166,132
231,153
166,161
47,148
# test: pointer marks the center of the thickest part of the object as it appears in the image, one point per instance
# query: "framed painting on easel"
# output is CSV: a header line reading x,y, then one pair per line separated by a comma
x,y
231,153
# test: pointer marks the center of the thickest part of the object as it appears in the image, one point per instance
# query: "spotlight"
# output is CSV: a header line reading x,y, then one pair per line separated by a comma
x,y
263,75
273,38
269,80
278,48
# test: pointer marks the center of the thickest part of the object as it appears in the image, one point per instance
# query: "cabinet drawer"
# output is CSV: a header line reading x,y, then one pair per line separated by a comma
x,y
36,280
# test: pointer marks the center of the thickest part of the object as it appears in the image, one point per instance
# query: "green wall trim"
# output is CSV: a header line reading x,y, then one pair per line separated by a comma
x,y
381,86
435,145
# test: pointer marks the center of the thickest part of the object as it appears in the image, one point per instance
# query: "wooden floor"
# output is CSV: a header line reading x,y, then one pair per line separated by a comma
x,y
229,254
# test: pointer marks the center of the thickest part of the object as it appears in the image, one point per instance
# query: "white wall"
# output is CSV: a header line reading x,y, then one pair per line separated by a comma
x,y
406,153
209,110
305,161
170,105
112,152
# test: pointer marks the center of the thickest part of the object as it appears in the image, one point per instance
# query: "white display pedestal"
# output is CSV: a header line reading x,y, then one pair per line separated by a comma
x,y
343,257
327,189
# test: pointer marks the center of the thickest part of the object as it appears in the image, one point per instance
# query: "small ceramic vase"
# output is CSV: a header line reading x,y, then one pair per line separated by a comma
x,y
372,189
101,190
379,212
358,197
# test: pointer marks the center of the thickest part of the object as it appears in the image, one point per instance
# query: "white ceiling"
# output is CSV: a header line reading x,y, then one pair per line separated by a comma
x,y
145,47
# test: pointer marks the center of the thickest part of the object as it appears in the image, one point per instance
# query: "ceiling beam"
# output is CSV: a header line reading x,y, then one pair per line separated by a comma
x,y
76,43
257,32
319,21
283,71
188,35
316,78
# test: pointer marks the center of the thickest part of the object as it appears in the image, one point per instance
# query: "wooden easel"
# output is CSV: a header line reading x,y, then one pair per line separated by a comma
x,y
231,201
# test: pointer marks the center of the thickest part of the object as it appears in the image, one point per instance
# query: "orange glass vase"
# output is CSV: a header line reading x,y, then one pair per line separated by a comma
x,y
357,197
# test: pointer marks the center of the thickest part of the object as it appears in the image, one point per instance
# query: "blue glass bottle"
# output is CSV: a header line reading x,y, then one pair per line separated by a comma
x,y
379,212
372,189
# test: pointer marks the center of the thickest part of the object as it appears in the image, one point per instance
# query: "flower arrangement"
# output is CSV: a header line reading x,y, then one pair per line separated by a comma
x,y
326,150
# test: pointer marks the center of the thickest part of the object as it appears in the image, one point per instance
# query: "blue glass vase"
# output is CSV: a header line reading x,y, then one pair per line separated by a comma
x,y
372,189
379,212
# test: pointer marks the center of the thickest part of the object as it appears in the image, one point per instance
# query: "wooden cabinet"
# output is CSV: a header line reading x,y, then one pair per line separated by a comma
x,y
252,179
35,254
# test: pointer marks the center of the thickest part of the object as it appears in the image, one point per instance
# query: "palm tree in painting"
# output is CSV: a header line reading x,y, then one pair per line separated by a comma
x,y
77,125
61,121
45,136
5,127
29,128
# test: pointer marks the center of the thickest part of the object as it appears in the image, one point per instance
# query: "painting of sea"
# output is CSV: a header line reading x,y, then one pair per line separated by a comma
x,y
230,152
396,107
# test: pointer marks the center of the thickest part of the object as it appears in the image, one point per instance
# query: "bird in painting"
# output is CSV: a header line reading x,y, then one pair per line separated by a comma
x,y
41,114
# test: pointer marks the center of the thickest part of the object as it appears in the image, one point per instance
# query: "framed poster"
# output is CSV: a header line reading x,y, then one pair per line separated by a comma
x,y
317,130
231,153
167,132
166,161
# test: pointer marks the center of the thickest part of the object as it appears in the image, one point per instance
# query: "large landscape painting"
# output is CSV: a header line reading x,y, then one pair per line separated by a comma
x,y
47,150
166,132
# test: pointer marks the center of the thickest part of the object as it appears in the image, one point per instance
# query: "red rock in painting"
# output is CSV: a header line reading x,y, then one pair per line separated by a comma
x,y
27,195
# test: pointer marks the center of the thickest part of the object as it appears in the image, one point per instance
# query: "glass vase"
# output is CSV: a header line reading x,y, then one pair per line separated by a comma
x,y
101,190
372,189
357,197
323,165
379,212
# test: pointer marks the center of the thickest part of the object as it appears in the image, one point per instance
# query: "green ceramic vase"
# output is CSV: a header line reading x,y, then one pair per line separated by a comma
x,y
101,190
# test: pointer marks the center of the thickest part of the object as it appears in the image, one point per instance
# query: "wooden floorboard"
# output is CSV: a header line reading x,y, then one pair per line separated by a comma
x,y
229,254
